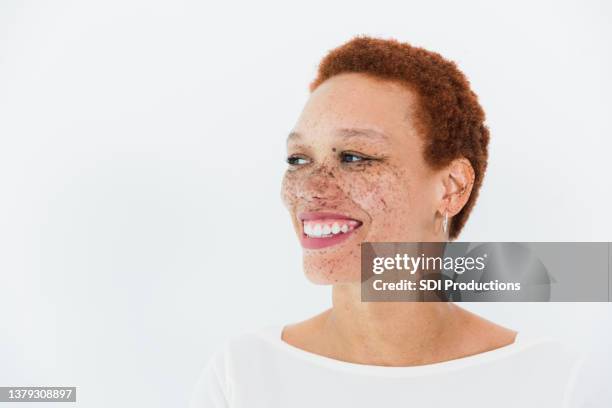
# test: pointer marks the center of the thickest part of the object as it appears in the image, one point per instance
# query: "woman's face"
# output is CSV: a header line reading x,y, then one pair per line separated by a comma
x,y
356,173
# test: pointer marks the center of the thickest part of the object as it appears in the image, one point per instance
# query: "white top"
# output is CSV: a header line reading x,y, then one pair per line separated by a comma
x,y
261,370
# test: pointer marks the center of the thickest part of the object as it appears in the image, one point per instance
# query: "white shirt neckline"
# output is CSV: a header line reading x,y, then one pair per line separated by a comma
x,y
273,335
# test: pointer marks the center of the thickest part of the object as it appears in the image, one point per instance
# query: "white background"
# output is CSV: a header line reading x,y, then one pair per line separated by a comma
x,y
141,152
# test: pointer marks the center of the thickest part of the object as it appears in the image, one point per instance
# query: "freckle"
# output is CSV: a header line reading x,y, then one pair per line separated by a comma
x,y
333,149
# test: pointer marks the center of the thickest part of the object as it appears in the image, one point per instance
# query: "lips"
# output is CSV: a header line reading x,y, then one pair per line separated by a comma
x,y
322,229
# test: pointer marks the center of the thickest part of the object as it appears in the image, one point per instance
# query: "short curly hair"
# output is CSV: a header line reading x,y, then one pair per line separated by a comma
x,y
449,115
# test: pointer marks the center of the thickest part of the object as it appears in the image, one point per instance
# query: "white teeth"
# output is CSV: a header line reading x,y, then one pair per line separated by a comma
x,y
307,229
315,229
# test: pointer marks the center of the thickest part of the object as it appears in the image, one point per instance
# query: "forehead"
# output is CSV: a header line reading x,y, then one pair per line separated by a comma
x,y
356,100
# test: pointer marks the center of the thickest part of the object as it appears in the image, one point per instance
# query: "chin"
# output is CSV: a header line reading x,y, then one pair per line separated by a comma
x,y
322,270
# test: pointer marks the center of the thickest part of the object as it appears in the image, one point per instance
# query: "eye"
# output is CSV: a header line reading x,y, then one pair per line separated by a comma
x,y
347,157
297,160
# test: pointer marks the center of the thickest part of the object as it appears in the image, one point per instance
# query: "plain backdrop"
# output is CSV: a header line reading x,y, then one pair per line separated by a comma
x,y
142,148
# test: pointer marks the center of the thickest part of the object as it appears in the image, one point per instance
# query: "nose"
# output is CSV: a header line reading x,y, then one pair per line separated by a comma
x,y
320,184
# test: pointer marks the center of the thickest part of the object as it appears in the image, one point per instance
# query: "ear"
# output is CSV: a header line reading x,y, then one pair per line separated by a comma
x,y
458,181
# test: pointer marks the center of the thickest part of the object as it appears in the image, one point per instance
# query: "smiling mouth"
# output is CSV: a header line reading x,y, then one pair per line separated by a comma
x,y
320,230
329,227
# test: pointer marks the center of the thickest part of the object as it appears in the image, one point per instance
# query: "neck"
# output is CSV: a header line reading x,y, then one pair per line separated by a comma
x,y
388,333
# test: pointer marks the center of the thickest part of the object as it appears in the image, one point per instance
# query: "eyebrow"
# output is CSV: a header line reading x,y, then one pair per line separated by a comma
x,y
348,133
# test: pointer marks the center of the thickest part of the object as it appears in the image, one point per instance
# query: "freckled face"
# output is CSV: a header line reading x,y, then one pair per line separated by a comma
x,y
355,154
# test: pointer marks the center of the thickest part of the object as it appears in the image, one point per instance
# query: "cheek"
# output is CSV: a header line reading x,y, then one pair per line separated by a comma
x,y
288,190
385,195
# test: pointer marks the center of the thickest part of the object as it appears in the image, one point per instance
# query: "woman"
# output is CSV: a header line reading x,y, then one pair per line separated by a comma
x,y
390,147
